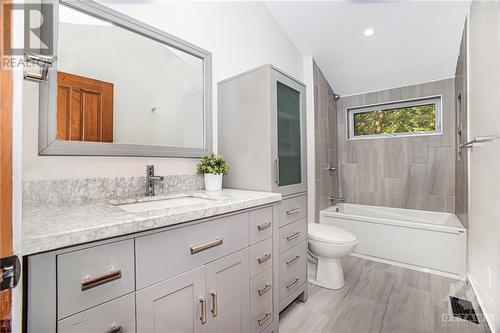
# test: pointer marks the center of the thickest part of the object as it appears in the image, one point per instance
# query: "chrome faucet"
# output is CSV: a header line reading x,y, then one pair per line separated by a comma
x,y
150,180
336,199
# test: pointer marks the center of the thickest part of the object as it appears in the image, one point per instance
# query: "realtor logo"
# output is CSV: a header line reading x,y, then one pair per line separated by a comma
x,y
37,22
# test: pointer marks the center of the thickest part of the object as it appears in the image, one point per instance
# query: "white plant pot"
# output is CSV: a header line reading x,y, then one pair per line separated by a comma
x,y
213,182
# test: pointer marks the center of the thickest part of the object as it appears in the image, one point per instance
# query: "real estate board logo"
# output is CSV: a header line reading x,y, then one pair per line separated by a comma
x,y
36,21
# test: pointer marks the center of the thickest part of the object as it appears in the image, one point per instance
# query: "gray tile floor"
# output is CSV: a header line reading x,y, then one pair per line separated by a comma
x,y
382,298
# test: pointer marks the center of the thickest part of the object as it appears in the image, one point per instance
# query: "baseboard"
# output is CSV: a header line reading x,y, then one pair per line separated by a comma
x,y
412,267
479,296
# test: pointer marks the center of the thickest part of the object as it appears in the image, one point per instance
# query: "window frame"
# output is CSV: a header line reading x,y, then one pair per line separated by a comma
x,y
434,99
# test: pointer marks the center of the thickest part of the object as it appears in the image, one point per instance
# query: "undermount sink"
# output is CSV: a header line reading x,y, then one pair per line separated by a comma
x,y
163,203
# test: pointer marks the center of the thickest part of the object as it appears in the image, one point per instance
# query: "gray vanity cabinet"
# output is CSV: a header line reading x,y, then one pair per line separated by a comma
x,y
116,316
211,298
193,278
227,283
173,305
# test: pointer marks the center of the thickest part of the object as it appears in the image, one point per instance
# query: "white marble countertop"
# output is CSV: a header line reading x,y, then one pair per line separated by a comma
x,y
52,226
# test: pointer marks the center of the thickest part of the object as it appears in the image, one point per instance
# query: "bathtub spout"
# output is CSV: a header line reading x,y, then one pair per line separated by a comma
x,y
335,200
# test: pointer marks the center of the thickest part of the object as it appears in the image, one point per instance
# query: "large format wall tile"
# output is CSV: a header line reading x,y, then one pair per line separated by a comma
x,y
326,135
408,172
441,176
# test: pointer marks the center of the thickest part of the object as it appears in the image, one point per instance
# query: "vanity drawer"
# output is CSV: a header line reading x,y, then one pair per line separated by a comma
x,y
261,288
292,209
92,276
292,234
292,269
261,224
261,316
165,254
261,257
115,316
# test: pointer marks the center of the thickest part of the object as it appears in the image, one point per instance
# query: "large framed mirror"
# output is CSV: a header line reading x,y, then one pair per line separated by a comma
x,y
119,87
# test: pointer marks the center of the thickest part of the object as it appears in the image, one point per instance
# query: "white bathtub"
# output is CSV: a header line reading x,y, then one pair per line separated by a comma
x,y
428,241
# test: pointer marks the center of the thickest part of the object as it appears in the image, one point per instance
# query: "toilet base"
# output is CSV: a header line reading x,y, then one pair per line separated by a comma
x,y
329,274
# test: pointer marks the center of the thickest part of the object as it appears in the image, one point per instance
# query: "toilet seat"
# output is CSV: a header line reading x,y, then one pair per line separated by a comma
x,y
329,234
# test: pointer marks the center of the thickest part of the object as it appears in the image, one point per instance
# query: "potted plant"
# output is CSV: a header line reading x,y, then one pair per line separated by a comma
x,y
212,167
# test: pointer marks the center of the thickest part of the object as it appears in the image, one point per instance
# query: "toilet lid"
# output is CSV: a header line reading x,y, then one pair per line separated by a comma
x,y
329,234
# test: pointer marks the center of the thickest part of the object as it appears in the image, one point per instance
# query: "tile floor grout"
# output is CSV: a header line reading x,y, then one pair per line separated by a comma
x,y
385,311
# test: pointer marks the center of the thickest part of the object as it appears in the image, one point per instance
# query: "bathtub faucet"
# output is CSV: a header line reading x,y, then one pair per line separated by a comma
x,y
336,199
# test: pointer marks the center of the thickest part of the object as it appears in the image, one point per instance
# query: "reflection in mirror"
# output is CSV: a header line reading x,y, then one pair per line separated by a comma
x,y
115,85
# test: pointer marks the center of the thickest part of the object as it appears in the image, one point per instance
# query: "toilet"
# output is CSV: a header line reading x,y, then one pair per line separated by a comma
x,y
328,244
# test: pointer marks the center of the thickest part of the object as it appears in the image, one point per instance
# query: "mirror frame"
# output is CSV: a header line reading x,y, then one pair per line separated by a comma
x,y
47,143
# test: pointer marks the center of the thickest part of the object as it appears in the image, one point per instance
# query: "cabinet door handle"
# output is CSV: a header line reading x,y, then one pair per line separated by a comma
x,y
277,170
101,279
203,311
263,226
114,329
293,284
293,211
293,261
291,237
264,319
264,290
213,309
199,248
264,258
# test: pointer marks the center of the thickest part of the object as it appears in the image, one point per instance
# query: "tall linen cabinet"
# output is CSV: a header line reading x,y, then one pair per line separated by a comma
x,y
262,134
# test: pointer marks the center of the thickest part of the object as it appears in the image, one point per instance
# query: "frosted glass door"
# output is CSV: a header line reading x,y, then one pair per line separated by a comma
x,y
289,136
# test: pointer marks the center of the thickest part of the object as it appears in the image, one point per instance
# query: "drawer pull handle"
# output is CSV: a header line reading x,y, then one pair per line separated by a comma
x,y
263,226
213,295
203,311
101,279
295,235
293,211
264,290
114,329
206,246
293,284
264,258
293,261
264,319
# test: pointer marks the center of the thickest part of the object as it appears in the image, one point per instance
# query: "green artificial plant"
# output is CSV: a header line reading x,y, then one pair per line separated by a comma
x,y
213,163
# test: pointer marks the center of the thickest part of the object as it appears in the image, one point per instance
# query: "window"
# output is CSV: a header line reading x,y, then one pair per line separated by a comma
x,y
406,118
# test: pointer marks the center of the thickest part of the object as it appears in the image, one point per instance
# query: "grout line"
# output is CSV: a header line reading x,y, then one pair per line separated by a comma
x,y
385,309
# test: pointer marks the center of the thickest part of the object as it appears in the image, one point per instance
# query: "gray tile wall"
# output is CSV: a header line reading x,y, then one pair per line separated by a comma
x,y
409,172
461,176
325,125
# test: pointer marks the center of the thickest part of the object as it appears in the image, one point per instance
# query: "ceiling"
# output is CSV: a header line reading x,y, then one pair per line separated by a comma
x,y
414,41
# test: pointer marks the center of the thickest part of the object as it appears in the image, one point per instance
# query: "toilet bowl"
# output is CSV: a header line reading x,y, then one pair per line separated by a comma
x,y
328,244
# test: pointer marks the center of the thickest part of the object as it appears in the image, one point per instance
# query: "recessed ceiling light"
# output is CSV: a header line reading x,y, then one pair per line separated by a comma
x,y
369,32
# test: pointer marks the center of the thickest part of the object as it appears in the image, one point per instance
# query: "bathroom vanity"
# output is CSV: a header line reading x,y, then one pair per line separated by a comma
x,y
193,261
94,267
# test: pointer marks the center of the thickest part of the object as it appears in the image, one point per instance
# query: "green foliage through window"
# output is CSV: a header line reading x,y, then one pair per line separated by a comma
x,y
400,120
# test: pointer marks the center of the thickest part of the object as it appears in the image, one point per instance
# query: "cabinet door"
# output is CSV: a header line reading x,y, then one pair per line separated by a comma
x,y
288,107
174,305
227,282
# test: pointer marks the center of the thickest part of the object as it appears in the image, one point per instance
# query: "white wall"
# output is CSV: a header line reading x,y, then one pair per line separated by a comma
x,y
484,159
240,35
145,75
